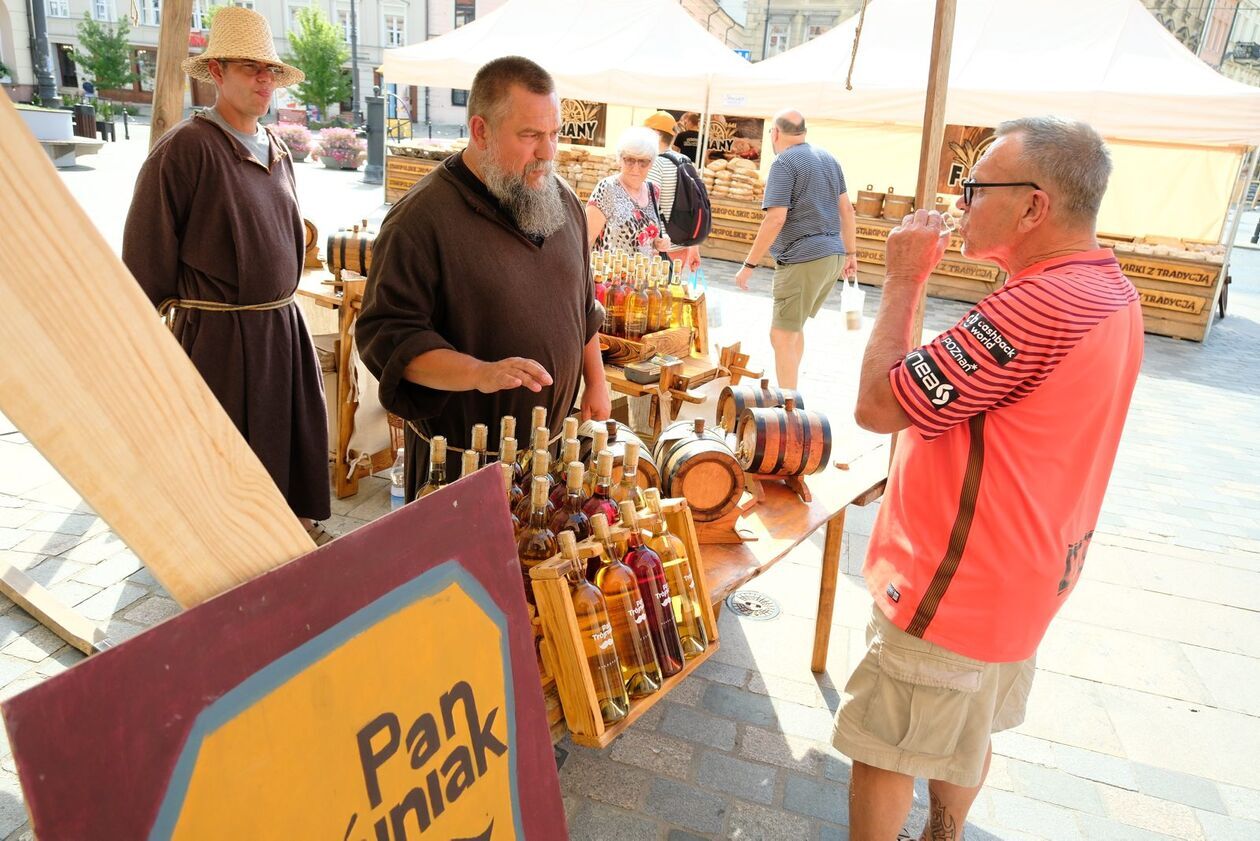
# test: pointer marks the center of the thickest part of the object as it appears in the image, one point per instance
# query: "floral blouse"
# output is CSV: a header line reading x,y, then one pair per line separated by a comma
x,y
629,227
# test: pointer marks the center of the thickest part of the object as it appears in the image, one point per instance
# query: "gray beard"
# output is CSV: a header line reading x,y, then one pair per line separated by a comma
x,y
538,212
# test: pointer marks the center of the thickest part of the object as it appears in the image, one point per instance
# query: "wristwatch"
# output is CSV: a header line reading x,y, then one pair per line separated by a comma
x,y
749,265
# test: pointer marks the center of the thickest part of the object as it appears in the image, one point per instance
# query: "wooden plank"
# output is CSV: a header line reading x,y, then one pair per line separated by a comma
x,y
934,108
168,87
54,615
573,677
101,388
827,591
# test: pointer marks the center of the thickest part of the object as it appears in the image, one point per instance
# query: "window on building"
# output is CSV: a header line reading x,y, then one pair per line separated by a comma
x,y
151,12
459,98
146,68
102,10
57,8
244,4
816,29
66,66
465,12
777,38
395,28
292,10
343,21
199,21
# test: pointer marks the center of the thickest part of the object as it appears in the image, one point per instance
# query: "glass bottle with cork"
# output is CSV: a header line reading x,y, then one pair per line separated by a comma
x,y
654,590
600,500
682,586
539,466
569,516
596,632
639,668
437,467
628,488
537,542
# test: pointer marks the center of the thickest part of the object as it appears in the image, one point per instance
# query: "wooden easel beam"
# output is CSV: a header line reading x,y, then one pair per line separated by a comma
x,y
168,87
54,615
100,387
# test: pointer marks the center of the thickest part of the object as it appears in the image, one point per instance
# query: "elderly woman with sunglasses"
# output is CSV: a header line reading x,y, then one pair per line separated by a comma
x,y
623,213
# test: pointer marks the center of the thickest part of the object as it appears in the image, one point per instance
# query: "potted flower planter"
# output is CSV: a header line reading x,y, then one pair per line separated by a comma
x,y
335,163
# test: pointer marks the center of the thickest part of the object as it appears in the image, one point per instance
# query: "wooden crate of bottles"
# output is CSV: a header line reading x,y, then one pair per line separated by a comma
x,y
642,298
564,654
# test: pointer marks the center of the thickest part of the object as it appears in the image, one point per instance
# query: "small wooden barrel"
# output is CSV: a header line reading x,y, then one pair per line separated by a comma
x,y
895,206
870,202
734,399
784,442
697,464
649,476
311,260
350,250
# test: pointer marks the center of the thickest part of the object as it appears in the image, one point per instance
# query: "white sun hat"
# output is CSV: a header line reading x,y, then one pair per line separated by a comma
x,y
243,35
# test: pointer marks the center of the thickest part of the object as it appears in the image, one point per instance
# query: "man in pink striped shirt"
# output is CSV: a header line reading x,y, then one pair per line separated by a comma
x,y
1010,423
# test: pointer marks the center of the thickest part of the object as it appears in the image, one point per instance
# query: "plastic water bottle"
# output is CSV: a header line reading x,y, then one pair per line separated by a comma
x,y
397,482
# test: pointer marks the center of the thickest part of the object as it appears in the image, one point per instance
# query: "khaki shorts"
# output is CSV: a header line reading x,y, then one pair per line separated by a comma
x,y
799,290
915,708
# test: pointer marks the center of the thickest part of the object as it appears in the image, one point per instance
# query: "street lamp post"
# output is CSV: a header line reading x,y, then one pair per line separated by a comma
x,y
354,61
46,85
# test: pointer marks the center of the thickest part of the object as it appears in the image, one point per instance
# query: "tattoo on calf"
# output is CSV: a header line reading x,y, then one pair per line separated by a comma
x,y
940,825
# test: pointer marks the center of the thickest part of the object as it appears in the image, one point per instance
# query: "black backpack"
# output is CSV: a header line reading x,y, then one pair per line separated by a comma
x,y
692,217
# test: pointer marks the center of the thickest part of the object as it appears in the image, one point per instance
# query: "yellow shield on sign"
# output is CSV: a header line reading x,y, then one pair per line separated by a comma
x,y
396,723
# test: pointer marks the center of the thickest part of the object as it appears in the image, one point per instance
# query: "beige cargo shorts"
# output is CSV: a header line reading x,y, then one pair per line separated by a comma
x,y
915,708
800,289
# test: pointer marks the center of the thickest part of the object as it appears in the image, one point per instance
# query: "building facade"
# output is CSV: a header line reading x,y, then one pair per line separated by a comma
x,y
1224,33
776,26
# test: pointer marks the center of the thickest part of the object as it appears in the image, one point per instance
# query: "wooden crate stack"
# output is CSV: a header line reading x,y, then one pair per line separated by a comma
x,y
562,656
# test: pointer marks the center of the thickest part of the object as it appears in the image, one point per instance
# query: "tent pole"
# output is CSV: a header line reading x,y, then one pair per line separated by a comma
x,y
168,87
703,140
933,136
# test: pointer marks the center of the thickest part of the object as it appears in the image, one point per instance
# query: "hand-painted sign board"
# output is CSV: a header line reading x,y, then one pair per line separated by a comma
x,y
381,688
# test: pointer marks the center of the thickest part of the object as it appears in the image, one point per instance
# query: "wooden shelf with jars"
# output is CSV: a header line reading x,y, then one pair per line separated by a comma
x,y
563,656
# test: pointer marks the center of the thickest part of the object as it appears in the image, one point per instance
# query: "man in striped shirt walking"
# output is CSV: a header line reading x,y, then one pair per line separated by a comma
x,y
1010,423
807,207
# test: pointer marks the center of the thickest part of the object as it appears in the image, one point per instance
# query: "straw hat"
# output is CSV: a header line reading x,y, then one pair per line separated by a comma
x,y
244,35
661,121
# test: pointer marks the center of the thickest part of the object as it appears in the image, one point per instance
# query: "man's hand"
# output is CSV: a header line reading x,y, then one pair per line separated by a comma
x,y
596,404
513,372
692,261
850,266
742,276
916,246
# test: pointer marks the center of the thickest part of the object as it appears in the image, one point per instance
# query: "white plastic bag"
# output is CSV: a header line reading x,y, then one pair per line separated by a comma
x,y
852,298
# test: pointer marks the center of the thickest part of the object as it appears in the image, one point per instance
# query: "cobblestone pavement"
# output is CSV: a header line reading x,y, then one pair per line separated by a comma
x,y
1145,718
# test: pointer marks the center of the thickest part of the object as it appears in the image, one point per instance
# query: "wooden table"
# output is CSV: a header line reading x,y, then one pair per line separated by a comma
x,y
781,522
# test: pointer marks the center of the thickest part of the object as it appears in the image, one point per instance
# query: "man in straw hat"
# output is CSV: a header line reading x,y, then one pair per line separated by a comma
x,y
215,239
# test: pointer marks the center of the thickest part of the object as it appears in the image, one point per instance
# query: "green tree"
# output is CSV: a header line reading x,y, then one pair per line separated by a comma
x,y
104,53
319,50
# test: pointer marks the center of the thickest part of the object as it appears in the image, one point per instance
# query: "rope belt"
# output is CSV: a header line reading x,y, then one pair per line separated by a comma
x,y
450,448
168,306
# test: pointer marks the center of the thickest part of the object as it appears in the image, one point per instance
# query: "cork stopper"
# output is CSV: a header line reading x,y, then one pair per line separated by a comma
x,y
576,472
538,493
789,404
678,267
568,546
468,463
599,526
698,427
507,427
507,449
571,450
506,470
542,463
570,428
601,440
480,435
540,438
603,463
652,496
611,426
765,385
538,418
629,517
630,461
437,449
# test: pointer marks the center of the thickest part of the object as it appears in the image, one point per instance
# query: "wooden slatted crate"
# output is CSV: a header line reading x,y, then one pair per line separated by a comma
x,y
561,645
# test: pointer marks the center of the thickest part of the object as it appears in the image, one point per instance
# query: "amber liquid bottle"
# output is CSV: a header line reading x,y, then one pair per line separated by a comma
x,y
600,500
539,442
508,487
569,516
657,306
636,310
628,488
679,316
437,466
654,590
682,585
539,465
538,418
536,543
616,320
480,440
596,632
639,669
560,478
598,445
507,457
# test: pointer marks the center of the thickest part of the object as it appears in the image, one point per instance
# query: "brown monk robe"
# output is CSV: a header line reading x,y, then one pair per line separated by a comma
x,y
208,222
451,269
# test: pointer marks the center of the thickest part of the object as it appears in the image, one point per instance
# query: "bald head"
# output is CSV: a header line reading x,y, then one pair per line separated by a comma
x,y
790,122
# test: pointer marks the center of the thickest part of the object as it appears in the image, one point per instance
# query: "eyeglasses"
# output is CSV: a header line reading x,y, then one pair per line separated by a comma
x,y
253,68
971,185
636,161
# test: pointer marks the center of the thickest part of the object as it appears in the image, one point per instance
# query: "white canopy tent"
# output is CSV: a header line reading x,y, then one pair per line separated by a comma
x,y
1107,62
642,53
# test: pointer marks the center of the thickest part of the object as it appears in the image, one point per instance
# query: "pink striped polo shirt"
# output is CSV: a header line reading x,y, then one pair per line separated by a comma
x,y
995,489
